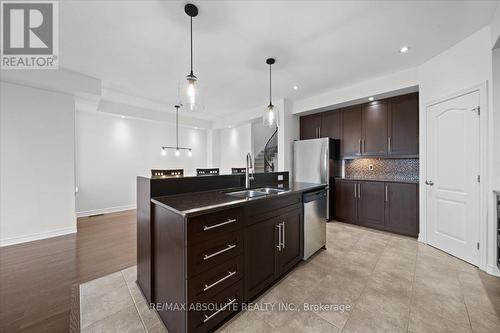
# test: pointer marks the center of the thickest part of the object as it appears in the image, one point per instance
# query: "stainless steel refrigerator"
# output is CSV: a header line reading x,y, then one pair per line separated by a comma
x,y
317,161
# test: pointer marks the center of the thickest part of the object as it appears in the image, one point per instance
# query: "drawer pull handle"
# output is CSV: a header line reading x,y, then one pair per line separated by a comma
x,y
207,318
229,274
228,248
205,228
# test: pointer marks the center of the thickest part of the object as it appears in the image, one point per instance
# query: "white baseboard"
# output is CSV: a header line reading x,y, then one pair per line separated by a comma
x,y
492,269
104,210
37,236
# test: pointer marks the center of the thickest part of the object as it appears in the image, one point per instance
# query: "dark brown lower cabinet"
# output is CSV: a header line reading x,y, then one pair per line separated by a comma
x,y
401,208
291,242
388,206
345,200
272,247
370,203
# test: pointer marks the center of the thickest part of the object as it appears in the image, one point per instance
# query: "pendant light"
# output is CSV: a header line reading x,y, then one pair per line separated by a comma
x,y
192,11
270,117
176,148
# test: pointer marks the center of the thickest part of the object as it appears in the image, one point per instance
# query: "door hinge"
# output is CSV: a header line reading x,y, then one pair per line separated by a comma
x,y
477,110
478,245
478,178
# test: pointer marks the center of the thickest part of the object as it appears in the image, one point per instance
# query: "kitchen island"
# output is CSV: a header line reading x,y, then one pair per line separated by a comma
x,y
211,251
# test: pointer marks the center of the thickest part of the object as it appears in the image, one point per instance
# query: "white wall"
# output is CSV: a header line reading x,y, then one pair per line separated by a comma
x,y
36,164
234,144
112,152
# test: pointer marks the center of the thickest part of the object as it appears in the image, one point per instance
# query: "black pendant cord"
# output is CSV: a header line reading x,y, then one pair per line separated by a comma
x,y
177,126
191,46
270,87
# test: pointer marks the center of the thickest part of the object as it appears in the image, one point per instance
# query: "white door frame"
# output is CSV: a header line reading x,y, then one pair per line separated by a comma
x,y
484,163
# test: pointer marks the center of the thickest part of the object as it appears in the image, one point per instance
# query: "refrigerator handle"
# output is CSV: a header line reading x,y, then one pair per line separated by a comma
x,y
324,165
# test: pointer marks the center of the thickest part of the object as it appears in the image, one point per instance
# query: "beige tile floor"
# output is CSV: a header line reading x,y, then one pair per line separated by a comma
x,y
392,283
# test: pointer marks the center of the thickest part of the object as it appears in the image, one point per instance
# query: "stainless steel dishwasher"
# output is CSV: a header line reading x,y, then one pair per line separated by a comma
x,y
314,222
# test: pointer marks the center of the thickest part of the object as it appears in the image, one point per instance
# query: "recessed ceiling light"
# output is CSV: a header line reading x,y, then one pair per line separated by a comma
x,y
404,49
295,87
123,117
371,99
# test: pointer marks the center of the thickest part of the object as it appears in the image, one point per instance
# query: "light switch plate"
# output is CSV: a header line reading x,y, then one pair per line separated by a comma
x,y
280,177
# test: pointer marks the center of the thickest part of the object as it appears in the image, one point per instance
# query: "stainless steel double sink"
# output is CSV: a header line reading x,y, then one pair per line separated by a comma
x,y
255,192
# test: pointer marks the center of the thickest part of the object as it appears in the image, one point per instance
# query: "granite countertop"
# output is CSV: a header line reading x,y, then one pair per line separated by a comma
x,y
197,203
387,180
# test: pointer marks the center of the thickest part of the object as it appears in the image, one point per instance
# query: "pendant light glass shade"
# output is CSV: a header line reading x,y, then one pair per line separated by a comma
x,y
191,91
270,117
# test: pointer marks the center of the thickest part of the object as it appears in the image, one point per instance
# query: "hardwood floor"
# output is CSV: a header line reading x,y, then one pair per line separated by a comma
x,y
36,277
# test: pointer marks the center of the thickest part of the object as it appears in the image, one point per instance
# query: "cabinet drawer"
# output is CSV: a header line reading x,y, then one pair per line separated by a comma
x,y
276,207
214,252
207,284
216,309
206,227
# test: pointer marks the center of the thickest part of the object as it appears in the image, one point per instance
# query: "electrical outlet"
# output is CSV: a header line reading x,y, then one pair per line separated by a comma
x,y
280,177
370,167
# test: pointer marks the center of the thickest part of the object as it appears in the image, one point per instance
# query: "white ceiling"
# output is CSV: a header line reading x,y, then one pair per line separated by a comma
x,y
142,47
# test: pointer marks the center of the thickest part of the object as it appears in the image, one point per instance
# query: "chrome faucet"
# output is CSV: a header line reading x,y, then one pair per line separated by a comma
x,y
248,173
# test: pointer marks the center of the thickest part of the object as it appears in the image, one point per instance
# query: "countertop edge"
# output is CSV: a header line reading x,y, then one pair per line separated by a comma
x,y
235,203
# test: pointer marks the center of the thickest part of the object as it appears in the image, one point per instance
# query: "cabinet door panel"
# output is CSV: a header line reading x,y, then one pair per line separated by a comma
x,y
403,125
351,131
330,124
375,128
345,201
260,256
310,126
292,249
371,203
401,208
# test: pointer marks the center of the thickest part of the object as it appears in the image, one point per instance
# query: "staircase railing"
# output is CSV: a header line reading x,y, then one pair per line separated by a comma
x,y
270,151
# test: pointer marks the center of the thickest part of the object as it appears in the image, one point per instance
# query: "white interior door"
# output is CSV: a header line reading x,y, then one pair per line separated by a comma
x,y
453,152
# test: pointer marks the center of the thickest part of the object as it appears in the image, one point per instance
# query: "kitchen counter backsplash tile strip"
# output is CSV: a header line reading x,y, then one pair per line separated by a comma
x,y
385,169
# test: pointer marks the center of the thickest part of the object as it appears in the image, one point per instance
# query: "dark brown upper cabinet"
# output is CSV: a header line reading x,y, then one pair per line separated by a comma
x,y
387,127
310,127
351,131
330,125
403,125
374,124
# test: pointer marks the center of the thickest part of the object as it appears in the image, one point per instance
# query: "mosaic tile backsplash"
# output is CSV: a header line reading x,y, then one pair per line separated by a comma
x,y
396,169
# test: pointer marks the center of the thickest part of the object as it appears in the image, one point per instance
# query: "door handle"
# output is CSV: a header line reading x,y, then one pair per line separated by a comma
x,y
359,148
389,144
429,182
228,248
205,228
207,318
386,196
319,132
355,190
229,274
283,235
278,226
359,190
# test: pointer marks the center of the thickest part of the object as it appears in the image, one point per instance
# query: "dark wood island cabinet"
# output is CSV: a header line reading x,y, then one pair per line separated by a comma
x,y
212,252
